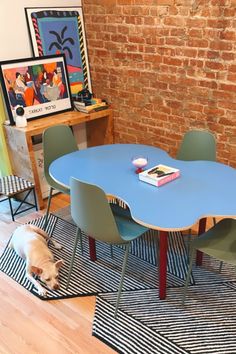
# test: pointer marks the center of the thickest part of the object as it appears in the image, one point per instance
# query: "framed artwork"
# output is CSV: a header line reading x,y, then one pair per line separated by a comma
x,y
55,30
40,85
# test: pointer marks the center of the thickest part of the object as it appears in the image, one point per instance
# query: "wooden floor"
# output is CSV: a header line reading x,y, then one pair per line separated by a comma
x,y
29,325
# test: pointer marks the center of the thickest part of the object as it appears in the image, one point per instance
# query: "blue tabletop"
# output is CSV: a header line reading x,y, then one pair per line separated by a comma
x,y
204,188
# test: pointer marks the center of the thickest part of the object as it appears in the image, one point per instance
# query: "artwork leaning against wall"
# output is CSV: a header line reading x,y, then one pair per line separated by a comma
x,y
61,30
39,85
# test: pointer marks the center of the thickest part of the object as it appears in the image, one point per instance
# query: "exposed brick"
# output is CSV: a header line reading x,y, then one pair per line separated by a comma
x,y
221,45
228,56
199,43
214,65
174,21
165,66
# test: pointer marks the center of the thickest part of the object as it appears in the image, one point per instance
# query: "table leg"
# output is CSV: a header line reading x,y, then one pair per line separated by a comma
x,y
92,249
201,230
163,242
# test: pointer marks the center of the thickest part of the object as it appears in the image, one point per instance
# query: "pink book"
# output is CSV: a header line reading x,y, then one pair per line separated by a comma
x,y
159,175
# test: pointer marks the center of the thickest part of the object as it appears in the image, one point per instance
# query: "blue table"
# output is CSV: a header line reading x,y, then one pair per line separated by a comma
x,y
204,189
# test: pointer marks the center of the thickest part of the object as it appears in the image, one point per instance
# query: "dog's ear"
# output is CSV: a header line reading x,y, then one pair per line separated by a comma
x,y
59,263
36,270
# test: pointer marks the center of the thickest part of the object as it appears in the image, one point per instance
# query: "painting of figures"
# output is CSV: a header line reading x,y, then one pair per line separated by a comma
x,y
61,30
40,85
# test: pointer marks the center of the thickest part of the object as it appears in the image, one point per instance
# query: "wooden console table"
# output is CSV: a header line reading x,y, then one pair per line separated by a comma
x,y
99,130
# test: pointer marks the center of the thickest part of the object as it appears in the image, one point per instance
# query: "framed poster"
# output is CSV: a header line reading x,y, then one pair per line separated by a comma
x,y
40,85
55,30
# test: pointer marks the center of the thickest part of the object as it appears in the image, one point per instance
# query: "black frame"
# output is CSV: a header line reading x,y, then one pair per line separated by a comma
x,y
49,106
61,12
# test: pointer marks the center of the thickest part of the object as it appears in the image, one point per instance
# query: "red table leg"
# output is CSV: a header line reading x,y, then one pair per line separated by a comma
x,y
201,230
163,242
92,249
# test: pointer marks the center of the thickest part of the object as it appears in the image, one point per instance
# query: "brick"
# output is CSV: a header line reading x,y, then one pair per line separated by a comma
x,y
231,77
220,45
226,87
228,56
213,54
214,65
166,66
174,21
199,43
218,23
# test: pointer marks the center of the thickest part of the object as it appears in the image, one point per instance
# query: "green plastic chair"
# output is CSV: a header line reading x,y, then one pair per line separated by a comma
x,y
218,242
57,141
197,145
93,214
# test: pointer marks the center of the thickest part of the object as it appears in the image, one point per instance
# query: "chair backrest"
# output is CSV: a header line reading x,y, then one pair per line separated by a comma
x,y
92,213
57,141
197,145
219,241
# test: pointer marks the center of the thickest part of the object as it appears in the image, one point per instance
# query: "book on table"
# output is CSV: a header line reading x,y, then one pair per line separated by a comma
x,y
159,175
96,104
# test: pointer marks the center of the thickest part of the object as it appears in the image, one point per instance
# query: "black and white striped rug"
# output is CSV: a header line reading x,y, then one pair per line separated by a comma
x,y
206,324
102,276
144,324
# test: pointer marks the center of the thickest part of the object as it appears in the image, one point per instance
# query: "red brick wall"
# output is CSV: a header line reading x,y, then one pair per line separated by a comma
x,y
166,66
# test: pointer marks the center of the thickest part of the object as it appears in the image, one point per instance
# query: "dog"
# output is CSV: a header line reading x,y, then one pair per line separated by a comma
x,y
30,243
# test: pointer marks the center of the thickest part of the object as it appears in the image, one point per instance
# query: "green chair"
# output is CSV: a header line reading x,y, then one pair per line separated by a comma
x,y
93,214
218,242
197,145
57,141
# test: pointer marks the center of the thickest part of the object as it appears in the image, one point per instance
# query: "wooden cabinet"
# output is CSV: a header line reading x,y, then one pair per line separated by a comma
x,y
99,131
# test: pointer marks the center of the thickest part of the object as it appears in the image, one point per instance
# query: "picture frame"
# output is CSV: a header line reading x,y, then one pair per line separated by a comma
x,y
39,85
54,30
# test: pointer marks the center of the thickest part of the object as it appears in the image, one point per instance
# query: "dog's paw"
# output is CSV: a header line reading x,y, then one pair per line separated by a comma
x,y
57,245
42,292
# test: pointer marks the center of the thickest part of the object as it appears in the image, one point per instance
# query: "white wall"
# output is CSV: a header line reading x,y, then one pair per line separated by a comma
x,y
14,38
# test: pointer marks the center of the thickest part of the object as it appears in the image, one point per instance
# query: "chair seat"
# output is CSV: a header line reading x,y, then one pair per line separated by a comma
x,y
129,229
11,185
219,241
118,210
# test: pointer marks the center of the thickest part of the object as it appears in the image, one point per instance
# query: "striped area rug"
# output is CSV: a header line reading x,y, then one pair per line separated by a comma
x,y
206,324
144,324
102,276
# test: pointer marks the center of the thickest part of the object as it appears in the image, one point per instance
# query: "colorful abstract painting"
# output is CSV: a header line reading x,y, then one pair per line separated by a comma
x,y
39,85
61,30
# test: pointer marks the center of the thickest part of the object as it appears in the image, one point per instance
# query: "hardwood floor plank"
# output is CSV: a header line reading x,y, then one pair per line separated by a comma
x,y
29,325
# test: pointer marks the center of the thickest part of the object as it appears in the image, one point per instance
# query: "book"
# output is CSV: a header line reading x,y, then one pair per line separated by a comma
x,y
91,108
159,175
79,103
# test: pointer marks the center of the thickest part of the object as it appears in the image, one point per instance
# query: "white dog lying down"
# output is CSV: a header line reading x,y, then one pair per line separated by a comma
x,y
30,243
